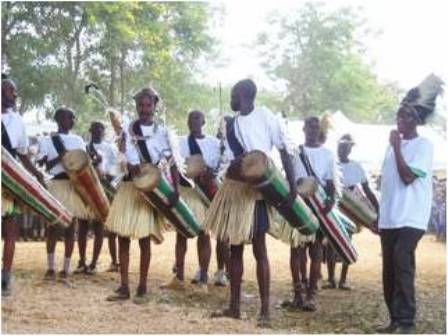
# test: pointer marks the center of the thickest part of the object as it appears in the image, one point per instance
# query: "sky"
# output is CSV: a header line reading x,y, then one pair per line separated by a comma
x,y
413,42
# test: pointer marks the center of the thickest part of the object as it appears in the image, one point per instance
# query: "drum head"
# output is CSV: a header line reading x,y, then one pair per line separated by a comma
x,y
195,165
148,178
253,165
307,186
75,160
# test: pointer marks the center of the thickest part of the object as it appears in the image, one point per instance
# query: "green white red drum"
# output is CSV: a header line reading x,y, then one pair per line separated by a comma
x,y
26,190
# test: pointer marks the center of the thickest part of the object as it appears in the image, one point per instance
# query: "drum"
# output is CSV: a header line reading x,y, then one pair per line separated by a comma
x,y
18,183
206,188
332,226
85,179
156,189
357,207
257,169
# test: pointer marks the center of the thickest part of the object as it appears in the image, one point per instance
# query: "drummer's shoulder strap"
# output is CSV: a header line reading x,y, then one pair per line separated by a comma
x,y
58,144
6,141
234,144
306,162
193,145
141,143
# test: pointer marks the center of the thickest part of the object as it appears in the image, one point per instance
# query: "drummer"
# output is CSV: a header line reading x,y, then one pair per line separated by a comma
x,y
51,150
209,148
130,215
15,141
237,212
322,169
353,175
103,157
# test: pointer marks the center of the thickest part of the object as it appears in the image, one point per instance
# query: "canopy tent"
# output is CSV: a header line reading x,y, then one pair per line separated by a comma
x,y
371,140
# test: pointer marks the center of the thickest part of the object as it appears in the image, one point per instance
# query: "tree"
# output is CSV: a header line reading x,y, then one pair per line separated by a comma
x,y
52,49
319,57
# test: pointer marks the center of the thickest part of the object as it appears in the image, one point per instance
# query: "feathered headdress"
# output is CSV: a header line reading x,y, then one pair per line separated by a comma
x,y
326,123
422,99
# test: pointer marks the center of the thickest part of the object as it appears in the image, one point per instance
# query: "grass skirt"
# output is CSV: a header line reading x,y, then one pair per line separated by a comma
x,y
132,216
9,207
65,192
281,230
194,202
231,213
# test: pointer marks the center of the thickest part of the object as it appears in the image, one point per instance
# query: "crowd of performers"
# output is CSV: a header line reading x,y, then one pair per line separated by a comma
x,y
239,211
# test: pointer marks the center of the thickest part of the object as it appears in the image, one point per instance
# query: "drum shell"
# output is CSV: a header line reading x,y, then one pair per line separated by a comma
x,y
26,190
180,216
86,181
274,188
355,206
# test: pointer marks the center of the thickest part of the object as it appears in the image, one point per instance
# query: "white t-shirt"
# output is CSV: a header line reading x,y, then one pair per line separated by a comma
x,y
352,173
401,205
321,160
47,149
109,154
210,148
15,127
259,130
157,144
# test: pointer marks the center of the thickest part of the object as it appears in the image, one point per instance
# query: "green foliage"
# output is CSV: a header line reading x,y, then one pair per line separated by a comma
x,y
319,56
53,49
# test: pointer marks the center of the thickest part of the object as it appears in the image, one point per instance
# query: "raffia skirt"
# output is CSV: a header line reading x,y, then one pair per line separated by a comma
x,y
231,215
282,231
9,206
194,202
65,192
130,215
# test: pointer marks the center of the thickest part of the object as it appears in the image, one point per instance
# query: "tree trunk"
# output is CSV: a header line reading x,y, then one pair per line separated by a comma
x,y
122,74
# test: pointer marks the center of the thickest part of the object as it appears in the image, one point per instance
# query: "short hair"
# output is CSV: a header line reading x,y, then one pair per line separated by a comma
x,y
8,81
309,120
248,87
95,124
60,111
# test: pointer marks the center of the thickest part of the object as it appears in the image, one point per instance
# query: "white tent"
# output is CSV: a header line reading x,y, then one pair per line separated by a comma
x,y
371,140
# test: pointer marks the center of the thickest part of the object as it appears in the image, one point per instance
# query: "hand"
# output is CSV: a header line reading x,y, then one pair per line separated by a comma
x,y
394,138
329,204
374,227
134,170
40,178
234,169
173,199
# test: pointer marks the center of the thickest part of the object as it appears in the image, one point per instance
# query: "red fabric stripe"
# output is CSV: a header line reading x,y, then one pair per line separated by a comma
x,y
88,182
36,191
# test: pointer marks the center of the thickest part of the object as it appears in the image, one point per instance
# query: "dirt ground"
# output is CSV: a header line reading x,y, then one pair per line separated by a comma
x,y
37,306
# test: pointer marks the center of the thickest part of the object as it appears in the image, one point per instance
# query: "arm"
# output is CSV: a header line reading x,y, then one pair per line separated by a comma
x,y
370,195
407,176
175,175
330,189
29,166
289,170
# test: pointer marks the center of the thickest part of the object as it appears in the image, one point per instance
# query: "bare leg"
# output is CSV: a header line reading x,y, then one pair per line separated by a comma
x,y
145,258
82,241
303,265
97,243
222,255
112,238
10,228
263,273
204,254
294,264
180,251
124,244
236,274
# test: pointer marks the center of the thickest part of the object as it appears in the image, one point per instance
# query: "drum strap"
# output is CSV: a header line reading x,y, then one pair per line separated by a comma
x,y
234,144
58,144
193,145
6,141
141,143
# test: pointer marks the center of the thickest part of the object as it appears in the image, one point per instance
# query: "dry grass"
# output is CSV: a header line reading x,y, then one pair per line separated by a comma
x,y
37,306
